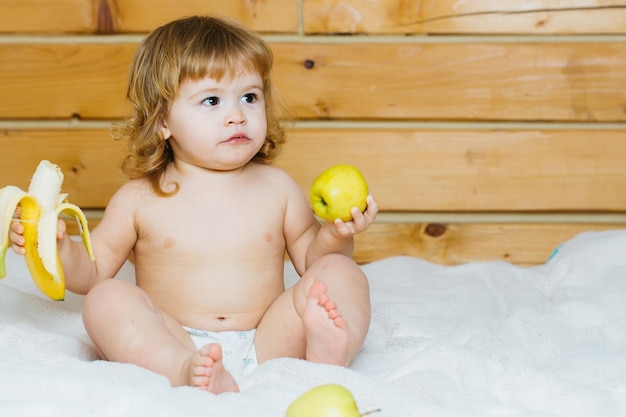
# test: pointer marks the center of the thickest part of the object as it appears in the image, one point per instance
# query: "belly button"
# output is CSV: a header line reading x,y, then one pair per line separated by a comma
x,y
221,318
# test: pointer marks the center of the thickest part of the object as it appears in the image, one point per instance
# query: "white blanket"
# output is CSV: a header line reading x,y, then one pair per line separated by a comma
x,y
482,339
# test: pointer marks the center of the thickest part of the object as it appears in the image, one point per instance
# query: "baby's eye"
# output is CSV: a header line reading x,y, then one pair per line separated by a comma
x,y
211,101
249,98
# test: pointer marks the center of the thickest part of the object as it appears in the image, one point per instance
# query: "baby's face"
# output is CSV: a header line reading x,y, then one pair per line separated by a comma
x,y
218,124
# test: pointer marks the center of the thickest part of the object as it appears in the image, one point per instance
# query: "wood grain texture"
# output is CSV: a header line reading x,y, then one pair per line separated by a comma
x,y
89,159
455,244
139,16
464,17
324,16
28,16
455,81
570,81
407,169
77,80
439,170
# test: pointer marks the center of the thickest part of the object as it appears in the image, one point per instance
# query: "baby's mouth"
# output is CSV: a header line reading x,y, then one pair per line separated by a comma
x,y
238,138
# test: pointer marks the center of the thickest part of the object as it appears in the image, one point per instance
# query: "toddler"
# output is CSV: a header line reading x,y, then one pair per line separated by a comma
x,y
208,221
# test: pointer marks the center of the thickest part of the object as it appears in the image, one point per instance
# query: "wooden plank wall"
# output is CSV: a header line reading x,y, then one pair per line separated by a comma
x,y
487,129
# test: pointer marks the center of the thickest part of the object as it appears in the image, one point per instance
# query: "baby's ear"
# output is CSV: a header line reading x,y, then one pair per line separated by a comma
x,y
165,132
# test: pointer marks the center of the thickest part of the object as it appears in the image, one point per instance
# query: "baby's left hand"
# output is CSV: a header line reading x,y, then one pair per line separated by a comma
x,y
360,221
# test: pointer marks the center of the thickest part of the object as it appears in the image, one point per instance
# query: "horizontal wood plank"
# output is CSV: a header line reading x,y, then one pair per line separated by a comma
x,y
28,16
455,81
324,16
139,16
407,169
455,244
414,81
77,80
89,159
464,17
441,170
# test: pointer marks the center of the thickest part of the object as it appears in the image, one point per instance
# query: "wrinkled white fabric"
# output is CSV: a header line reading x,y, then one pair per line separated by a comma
x,y
481,339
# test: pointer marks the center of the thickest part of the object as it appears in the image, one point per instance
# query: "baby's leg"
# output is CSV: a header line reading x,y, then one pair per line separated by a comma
x,y
127,327
323,318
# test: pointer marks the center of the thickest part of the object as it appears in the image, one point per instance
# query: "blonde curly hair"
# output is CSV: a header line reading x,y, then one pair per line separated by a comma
x,y
189,49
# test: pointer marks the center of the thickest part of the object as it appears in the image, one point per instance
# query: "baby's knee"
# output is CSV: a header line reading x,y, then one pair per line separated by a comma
x,y
335,260
104,290
104,296
339,266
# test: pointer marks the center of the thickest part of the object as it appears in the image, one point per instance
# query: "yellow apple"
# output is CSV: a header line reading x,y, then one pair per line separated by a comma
x,y
336,190
329,400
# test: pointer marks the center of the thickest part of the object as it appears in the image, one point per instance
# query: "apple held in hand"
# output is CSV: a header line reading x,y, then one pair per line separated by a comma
x,y
336,190
330,400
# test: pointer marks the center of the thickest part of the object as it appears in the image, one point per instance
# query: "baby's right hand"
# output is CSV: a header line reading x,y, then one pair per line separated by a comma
x,y
16,234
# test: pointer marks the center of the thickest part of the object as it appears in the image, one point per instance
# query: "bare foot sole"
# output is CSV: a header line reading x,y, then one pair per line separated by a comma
x,y
325,330
207,372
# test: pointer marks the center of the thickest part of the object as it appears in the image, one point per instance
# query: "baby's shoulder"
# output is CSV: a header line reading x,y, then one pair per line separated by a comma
x,y
133,191
273,174
140,185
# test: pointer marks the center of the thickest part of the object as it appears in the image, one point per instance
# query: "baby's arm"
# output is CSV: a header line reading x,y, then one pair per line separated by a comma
x,y
337,236
80,273
70,252
308,240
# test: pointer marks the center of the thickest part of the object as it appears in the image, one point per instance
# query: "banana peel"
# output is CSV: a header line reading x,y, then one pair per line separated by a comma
x,y
40,208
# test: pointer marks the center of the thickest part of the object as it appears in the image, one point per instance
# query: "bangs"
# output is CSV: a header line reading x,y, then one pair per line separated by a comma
x,y
219,56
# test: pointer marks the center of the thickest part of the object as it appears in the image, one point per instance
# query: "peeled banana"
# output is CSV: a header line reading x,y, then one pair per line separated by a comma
x,y
39,210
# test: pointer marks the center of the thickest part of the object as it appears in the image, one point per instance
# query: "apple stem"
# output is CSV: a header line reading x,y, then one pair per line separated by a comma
x,y
377,410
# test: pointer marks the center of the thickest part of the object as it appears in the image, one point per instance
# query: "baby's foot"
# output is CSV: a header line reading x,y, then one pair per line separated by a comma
x,y
207,372
325,330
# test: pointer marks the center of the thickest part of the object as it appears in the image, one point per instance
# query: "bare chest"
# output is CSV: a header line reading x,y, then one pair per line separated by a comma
x,y
212,258
214,227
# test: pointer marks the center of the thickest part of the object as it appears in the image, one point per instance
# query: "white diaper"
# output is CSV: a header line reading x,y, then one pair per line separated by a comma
x,y
238,351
